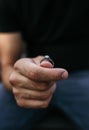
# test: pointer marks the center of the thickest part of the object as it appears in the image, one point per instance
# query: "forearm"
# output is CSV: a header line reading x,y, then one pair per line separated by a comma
x,y
10,49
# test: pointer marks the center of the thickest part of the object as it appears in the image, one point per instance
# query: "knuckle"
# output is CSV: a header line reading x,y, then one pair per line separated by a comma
x,y
47,94
15,91
33,75
16,65
44,104
12,79
43,87
20,102
30,96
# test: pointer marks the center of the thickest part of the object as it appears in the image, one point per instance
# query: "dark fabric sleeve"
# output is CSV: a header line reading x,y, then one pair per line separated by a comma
x,y
9,19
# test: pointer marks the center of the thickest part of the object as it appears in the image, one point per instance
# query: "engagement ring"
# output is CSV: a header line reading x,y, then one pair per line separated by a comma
x,y
46,57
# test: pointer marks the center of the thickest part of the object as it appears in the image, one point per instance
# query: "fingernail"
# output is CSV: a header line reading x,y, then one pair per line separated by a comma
x,y
64,75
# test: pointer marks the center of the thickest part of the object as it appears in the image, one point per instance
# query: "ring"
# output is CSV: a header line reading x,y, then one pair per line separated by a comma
x,y
46,57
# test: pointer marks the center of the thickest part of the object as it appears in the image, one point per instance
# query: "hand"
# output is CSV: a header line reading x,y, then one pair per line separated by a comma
x,y
33,84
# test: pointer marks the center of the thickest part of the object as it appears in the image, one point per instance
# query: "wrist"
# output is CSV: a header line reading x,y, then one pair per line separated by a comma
x,y
5,74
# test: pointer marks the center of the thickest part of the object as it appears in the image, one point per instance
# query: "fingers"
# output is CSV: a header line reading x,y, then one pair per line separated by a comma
x,y
46,64
33,103
22,93
38,73
19,81
44,74
31,96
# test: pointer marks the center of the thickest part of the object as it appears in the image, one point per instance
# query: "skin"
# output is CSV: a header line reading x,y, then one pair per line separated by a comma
x,y
32,84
